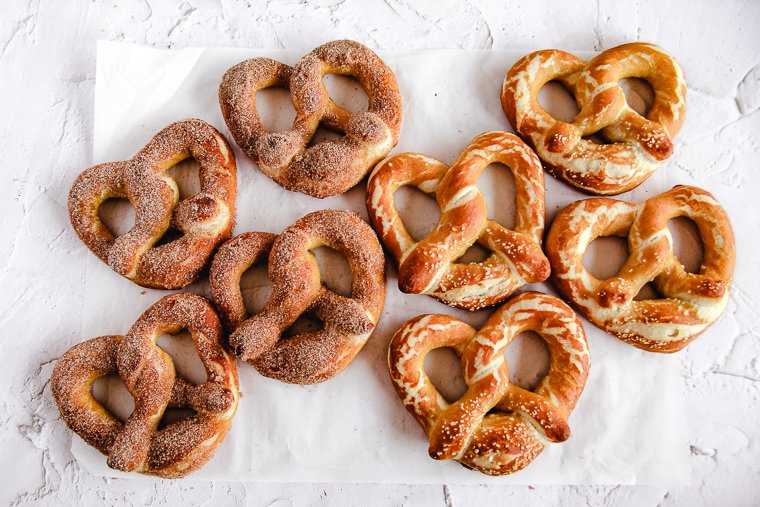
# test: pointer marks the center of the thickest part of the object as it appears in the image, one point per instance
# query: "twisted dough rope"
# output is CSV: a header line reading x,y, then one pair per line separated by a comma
x,y
313,356
148,373
638,144
689,303
330,167
205,219
428,266
496,428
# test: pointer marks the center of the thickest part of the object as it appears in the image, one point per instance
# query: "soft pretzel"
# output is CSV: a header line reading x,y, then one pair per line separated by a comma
x,y
313,356
233,259
205,219
689,302
148,373
429,266
330,167
496,427
637,144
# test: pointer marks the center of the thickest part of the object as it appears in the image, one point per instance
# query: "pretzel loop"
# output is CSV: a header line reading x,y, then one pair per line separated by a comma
x,y
495,427
205,219
637,143
643,61
230,262
330,167
148,373
689,302
428,266
348,322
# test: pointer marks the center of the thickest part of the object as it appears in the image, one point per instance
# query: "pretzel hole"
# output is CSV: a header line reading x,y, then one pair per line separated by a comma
x,y
605,256
334,270
528,360
597,139
187,175
174,414
346,92
419,211
648,291
639,94
323,134
558,101
687,243
303,324
255,287
170,235
444,369
111,392
275,109
187,363
117,215
474,254
497,184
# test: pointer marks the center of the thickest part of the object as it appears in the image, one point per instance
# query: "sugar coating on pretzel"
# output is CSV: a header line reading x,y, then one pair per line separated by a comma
x,y
148,373
496,427
689,302
204,219
637,144
233,259
330,167
348,322
429,266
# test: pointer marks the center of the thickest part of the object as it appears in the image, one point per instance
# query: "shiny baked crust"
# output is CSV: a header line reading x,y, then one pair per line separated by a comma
x,y
636,144
429,266
496,427
689,302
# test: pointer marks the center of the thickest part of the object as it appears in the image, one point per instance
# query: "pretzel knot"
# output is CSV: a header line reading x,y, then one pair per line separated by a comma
x,y
690,301
204,219
148,373
429,266
637,144
348,322
496,427
330,167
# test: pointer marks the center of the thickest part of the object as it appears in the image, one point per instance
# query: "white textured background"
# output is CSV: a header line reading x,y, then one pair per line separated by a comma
x,y
47,69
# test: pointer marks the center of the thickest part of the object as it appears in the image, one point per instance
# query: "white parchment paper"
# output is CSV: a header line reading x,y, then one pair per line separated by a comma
x,y
627,427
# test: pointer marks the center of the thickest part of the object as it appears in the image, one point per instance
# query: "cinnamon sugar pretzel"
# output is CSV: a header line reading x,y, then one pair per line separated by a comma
x,y
148,373
637,144
429,266
496,427
331,167
204,219
688,303
313,356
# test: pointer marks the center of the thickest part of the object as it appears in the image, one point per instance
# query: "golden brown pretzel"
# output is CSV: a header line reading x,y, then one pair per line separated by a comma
x,y
638,144
428,266
148,373
496,427
313,356
331,167
689,302
205,219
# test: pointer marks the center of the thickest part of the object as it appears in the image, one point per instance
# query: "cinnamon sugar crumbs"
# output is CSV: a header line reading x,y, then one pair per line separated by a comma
x,y
316,355
331,167
180,448
154,195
